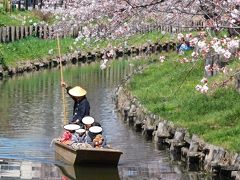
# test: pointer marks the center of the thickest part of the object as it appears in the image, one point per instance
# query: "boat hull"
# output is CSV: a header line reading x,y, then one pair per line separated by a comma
x,y
87,156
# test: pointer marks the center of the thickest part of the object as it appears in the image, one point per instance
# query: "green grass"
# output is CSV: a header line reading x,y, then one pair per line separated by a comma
x,y
19,18
31,48
154,36
168,89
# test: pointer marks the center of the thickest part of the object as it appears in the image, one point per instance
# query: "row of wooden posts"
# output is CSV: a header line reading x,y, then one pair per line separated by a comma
x,y
14,33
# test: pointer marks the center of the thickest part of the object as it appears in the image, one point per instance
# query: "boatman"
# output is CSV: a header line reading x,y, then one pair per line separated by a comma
x,y
81,106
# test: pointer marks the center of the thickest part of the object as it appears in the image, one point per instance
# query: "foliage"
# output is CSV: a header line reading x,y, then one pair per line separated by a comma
x,y
46,17
2,62
6,5
114,19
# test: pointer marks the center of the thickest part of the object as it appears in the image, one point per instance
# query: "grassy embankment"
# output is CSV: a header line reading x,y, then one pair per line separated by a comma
x,y
22,17
33,48
168,89
13,53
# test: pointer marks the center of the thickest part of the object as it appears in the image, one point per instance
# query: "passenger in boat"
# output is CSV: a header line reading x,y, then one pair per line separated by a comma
x,y
96,124
81,106
95,137
87,121
74,136
81,135
69,135
98,141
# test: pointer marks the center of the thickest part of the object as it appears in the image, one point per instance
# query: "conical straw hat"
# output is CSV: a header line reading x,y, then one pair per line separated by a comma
x,y
77,91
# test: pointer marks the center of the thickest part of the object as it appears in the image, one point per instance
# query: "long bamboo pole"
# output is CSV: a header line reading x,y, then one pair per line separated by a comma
x,y
62,80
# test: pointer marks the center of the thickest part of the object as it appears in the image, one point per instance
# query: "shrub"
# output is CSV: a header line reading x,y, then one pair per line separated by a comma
x,y
2,62
46,17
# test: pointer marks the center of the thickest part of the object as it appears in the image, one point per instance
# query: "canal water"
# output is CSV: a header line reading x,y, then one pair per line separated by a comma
x,y
31,116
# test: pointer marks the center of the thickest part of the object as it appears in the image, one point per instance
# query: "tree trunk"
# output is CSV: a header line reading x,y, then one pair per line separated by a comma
x,y
41,4
26,4
19,5
34,4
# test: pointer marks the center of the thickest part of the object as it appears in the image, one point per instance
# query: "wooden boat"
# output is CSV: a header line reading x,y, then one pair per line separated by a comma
x,y
87,156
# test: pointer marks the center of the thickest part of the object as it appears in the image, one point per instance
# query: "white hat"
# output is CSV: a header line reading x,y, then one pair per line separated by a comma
x,y
87,120
77,91
71,127
80,131
95,129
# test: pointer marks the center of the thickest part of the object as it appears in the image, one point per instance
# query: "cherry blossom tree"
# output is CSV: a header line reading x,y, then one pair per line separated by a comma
x,y
112,18
117,18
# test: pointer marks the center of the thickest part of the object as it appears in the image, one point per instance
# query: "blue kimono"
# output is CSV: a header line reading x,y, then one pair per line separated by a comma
x,y
81,109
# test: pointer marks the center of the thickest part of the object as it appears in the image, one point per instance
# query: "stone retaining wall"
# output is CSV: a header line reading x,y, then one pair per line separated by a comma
x,y
197,154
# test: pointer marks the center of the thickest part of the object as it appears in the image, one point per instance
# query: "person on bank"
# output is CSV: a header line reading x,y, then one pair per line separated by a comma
x,y
81,106
183,46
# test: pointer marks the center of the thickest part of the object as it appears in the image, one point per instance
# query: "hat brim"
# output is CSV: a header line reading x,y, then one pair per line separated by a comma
x,y
77,91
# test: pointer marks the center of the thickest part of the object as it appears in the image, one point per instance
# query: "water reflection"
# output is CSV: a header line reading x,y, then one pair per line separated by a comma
x,y
93,173
12,169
